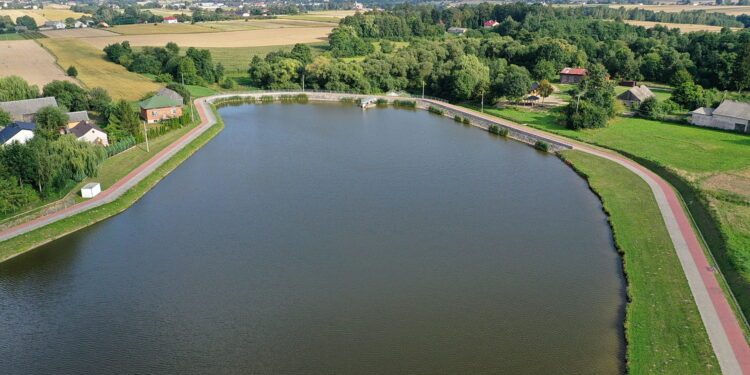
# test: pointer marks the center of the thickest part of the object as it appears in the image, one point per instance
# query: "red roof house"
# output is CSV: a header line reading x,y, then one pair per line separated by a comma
x,y
572,75
170,20
490,24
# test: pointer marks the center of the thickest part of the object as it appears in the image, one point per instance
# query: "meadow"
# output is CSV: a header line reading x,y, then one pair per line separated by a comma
x,y
684,27
95,71
42,15
734,10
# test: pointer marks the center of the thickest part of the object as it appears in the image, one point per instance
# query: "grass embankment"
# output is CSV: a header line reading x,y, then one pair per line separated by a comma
x,y
95,71
710,168
664,330
35,238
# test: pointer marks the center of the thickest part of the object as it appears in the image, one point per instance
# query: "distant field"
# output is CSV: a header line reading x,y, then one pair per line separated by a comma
x,y
41,15
160,28
248,38
238,59
332,13
312,17
734,10
77,33
233,25
37,66
684,27
168,12
95,71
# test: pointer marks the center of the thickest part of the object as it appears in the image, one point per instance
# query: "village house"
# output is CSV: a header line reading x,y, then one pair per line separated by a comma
x,y
158,108
635,94
55,25
169,20
17,132
457,30
25,110
80,25
730,115
572,75
490,24
75,117
87,131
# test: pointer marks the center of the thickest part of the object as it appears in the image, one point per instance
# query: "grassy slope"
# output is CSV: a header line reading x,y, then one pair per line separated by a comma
x,y
95,71
58,229
663,327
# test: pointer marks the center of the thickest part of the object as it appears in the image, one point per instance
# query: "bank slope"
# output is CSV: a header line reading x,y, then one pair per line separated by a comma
x,y
664,330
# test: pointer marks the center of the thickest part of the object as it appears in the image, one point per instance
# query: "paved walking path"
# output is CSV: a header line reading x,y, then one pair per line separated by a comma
x,y
724,330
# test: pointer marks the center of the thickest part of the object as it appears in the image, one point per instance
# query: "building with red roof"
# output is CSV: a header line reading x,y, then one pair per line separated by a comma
x,y
573,75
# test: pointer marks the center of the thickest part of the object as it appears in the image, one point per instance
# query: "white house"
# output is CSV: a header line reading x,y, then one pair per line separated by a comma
x,y
17,132
80,25
88,132
730,115
55,24
457,30
169,20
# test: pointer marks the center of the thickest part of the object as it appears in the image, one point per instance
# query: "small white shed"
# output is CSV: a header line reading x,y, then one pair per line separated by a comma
x,y
91,190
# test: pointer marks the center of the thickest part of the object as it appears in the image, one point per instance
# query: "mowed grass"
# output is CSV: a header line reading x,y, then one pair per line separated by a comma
x,y
161,28
664,330
312,17
237,59
95,71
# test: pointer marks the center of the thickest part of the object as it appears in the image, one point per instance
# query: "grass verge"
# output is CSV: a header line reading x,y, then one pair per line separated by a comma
x,y
663,328
38,237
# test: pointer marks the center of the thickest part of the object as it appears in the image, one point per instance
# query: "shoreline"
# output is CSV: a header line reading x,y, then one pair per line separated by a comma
x,y
723,329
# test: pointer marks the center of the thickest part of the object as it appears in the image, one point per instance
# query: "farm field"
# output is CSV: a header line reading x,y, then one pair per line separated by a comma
x,y
95,71
248,38
37,66
77,33
684,27
734,10
41,15
160,28
238,59
332,13
312,17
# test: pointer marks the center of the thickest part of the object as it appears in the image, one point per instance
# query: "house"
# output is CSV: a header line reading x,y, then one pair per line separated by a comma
x,y
25,110
730,115
21,29
572,75
87,131
490,24
163,91
102,24
158,108
635,94
55,25
457,30
80,25
628,83
169,20
20,132
75,117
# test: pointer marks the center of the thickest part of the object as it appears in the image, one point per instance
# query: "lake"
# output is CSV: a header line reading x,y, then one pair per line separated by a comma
x,y
323,239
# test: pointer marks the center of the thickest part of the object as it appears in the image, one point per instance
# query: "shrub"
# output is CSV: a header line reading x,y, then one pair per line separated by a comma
x,y
266,99
228,83
381,102
541,146
503,132
286,98
301,98
467,121
347,100
72,71
163,77
120,146
435,110
405,103
457,118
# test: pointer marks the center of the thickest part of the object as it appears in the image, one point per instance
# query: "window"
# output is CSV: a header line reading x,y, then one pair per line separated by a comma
x,y
174,111
154,113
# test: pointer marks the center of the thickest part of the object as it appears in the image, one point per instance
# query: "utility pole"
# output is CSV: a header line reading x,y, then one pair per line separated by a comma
x,y
145,134
303,82
422,89
482,101
190,98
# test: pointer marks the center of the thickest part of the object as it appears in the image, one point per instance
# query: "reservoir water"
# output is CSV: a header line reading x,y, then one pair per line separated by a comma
x,y
321,239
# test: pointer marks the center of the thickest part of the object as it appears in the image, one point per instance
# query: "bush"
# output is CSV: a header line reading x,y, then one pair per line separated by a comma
x,y
467,121
163,78
435,110
347,100
286,98
405,103
228,83
120,146
381,102
458,118
301,98
266,99
541,146
503,132
72,71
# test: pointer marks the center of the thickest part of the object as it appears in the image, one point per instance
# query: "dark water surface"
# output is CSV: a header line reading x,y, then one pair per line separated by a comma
x,y
320,239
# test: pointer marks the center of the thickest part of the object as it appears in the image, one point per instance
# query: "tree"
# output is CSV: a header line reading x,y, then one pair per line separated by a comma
x,y
741,70
585,115
689,95
16,88
27,21
516,83
469,78
5,118
545,89
544,70
123,120
187,72
173,48
99,100
182,90
302,52
651,108
14,196
68,95
72,71
345,43
49,121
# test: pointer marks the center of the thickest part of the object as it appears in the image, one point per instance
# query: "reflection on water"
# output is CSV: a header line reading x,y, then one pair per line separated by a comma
x,y
322,239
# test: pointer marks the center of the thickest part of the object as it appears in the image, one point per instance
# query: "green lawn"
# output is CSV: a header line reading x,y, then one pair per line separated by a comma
x,y
11,36
664,330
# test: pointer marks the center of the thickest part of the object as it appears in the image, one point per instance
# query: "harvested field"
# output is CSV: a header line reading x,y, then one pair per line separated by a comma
x,y
249,38
77,33
332,13
306,17
684,27
15,13
734,10
37,66
41,15
160,28
95,71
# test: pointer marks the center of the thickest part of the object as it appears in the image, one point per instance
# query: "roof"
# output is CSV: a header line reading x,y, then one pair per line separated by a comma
x,y
574,71
170,18
14,128
84,127
78,116
703,111
90,185
27,106
534,86
457,29
639,93
158,101
733,108
163,91
491,23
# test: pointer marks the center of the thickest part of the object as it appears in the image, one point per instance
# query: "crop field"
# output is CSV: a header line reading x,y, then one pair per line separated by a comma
x,y
312,17
734,10
41,15
248,38
37,66
95,71
684,27
160,28
332,13
77,33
